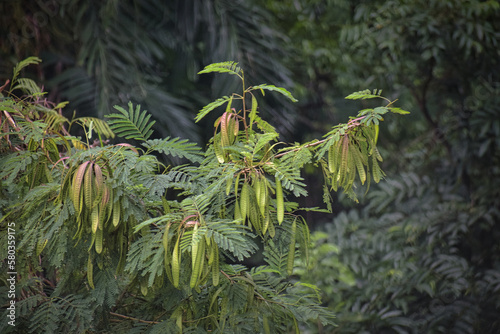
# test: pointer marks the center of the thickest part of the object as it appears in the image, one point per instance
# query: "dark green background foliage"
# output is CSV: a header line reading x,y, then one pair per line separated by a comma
x,y
420,253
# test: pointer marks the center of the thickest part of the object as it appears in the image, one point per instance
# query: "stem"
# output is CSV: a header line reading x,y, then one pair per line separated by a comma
x,y
350,124
227,276
132,318
298,148
435,126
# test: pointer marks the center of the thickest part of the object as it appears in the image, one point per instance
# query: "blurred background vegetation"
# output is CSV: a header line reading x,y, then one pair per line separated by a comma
x,y
421,252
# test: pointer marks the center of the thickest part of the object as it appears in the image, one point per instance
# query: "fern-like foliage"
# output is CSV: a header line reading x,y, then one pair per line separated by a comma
x,y
112,222
211,106
273,88
95,124
236,239
15,164
146,258
276,256
365,94
287,170
229,67
176,147
26,84
73,313
131,123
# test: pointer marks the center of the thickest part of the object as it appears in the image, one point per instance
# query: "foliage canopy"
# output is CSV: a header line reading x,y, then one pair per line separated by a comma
x,y
110,238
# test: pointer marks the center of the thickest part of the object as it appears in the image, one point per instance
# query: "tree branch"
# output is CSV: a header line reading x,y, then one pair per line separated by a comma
x,y
132,318
422,103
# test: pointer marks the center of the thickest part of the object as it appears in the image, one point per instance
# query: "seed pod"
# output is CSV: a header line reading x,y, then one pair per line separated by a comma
x,y
376,172
280,205
253,112
116,213
90,275
176,260
332,167
265,324
106,195
224,129
215,265
244,201
32,145
266,224
232,128
199,263
165,239
219,152
256,188
211,253
53,151
262,201
358,160
271,230
229,183
94,218
110,205
236,126
98,241
194,246
40,245
344,161
99,183
77,186
88,185
122,251
254,216
237,211
144,287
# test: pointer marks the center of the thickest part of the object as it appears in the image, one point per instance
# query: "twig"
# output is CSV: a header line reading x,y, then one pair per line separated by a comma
x,y
351,123
298,148
228,277
132,318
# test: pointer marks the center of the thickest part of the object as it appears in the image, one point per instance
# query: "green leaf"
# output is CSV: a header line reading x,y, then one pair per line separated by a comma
x,y
275,89
98,124
399,111
380,110
232,237
230,67
175,147
22,64
131,124
28,86
211,106
363,95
